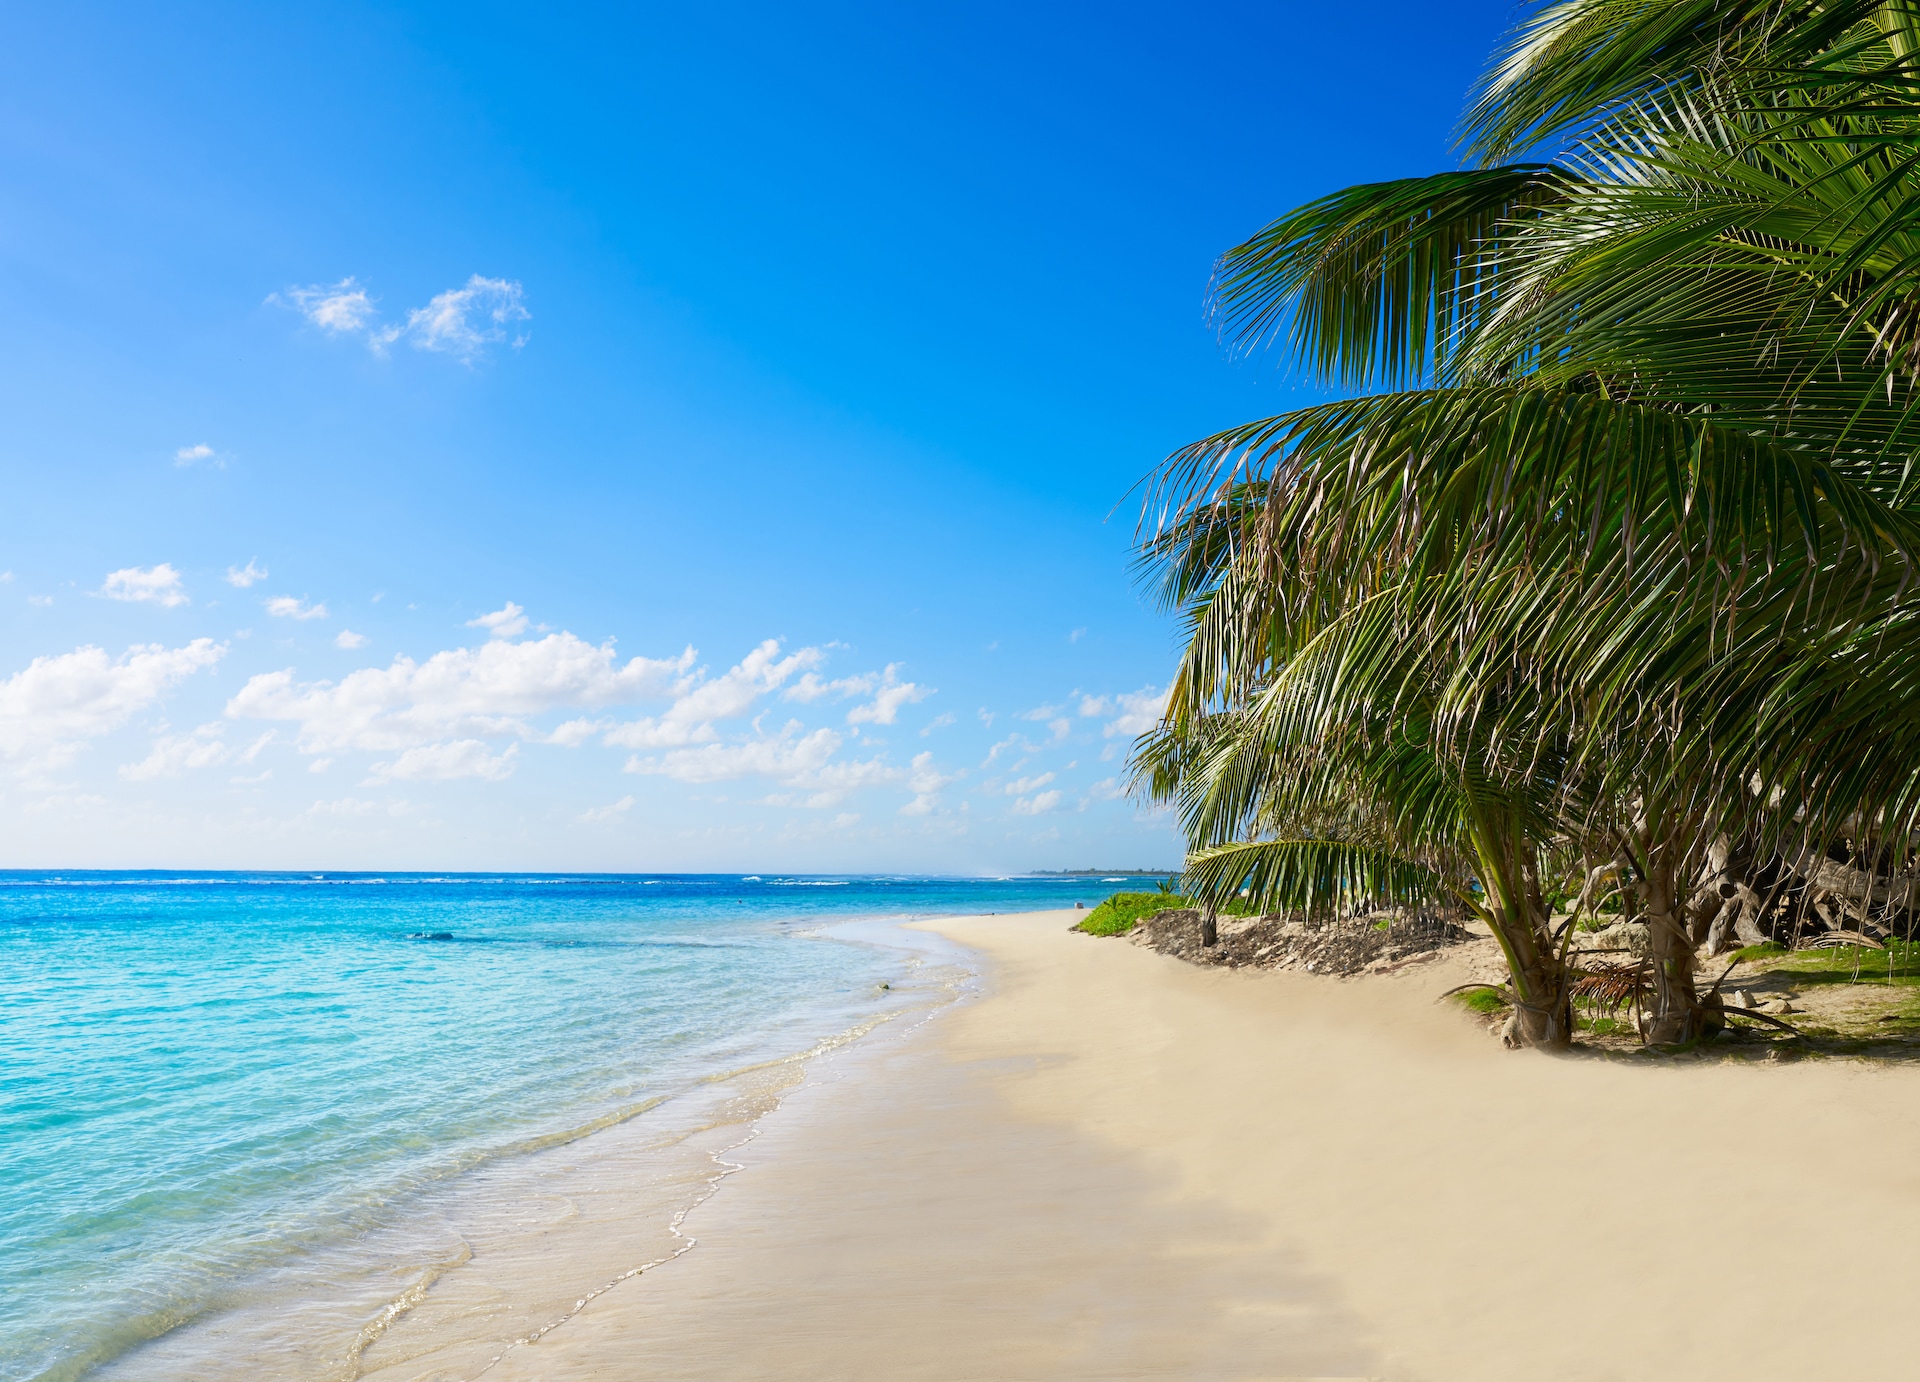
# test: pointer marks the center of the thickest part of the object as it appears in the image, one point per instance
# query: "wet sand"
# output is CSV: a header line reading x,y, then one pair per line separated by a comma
x,y
1113,1164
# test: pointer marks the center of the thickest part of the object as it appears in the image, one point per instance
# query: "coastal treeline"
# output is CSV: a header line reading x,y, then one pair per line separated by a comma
x,y
1598,592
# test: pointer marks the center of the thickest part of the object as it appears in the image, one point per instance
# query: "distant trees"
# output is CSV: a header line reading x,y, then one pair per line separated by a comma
x,y
1604,584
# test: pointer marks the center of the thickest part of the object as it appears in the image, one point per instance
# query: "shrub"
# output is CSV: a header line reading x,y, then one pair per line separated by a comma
x,y
1120,913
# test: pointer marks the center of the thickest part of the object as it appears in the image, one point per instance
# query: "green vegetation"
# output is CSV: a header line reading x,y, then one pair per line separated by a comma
x,y
1617,523
1898,964
1486,1002
1120,913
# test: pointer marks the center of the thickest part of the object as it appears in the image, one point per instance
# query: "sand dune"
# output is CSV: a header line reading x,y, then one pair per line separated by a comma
x,y
1116,1165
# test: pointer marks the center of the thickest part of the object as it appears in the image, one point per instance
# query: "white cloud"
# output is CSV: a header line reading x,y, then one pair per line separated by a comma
x,y
1139,712
601,814
937,722
925,781
1010,742
160,584
508,622
1076,635
1036,806
340,309
460,693
574,733
173,754
811,688
462,322
348,639
445,762
1107,789
1021,786
189,455
287,607
789,756
244,576
57,702
42,600
892,694
1039,712
699,702
792,757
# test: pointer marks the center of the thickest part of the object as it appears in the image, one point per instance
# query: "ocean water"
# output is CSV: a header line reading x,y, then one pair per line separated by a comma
x,y
223,1095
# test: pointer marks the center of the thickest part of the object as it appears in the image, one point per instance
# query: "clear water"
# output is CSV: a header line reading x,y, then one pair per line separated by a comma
x,y
204,1075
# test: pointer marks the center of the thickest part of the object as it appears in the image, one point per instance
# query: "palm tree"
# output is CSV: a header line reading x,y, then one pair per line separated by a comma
x,y
1643,497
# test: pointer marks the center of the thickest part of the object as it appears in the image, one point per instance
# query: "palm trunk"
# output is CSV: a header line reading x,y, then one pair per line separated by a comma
x,y
1542,1006
1675,1014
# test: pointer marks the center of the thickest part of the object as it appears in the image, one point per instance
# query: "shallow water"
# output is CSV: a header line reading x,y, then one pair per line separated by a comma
x,y
274,1107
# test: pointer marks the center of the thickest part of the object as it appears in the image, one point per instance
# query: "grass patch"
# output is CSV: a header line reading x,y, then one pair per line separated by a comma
x,y
1605,1026
1898,964
1120,913
1486,1002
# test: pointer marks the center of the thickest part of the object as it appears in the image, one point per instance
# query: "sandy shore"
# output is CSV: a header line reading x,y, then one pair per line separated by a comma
x,y
1117,1165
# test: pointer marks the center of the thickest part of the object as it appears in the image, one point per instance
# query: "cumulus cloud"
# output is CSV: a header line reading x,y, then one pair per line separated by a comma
x,y
890,696
789,756
347,638
340,309
463,322
699,702
507,622
460,693
811,687
937,722
445,762
159,584
1138,712
599,815
56,703
193,455
174,754
288,607
1036,806
925,782
792,757
243,576
1021,786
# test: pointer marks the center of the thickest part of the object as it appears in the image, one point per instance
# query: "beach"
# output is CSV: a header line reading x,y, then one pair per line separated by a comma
x,y
1107,1163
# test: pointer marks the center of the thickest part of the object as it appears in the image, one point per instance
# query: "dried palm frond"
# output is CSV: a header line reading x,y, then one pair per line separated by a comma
x,y
1606,988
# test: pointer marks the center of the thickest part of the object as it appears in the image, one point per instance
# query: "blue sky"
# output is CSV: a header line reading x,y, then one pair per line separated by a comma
x,y
394,395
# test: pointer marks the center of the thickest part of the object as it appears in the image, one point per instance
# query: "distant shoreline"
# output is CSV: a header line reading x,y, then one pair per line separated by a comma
x,y
1103,873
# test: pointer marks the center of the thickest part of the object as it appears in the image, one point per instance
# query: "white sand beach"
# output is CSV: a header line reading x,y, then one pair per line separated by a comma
x,y
1112,1164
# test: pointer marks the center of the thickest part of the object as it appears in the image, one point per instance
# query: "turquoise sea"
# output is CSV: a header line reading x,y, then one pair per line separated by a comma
x,y
207,1079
